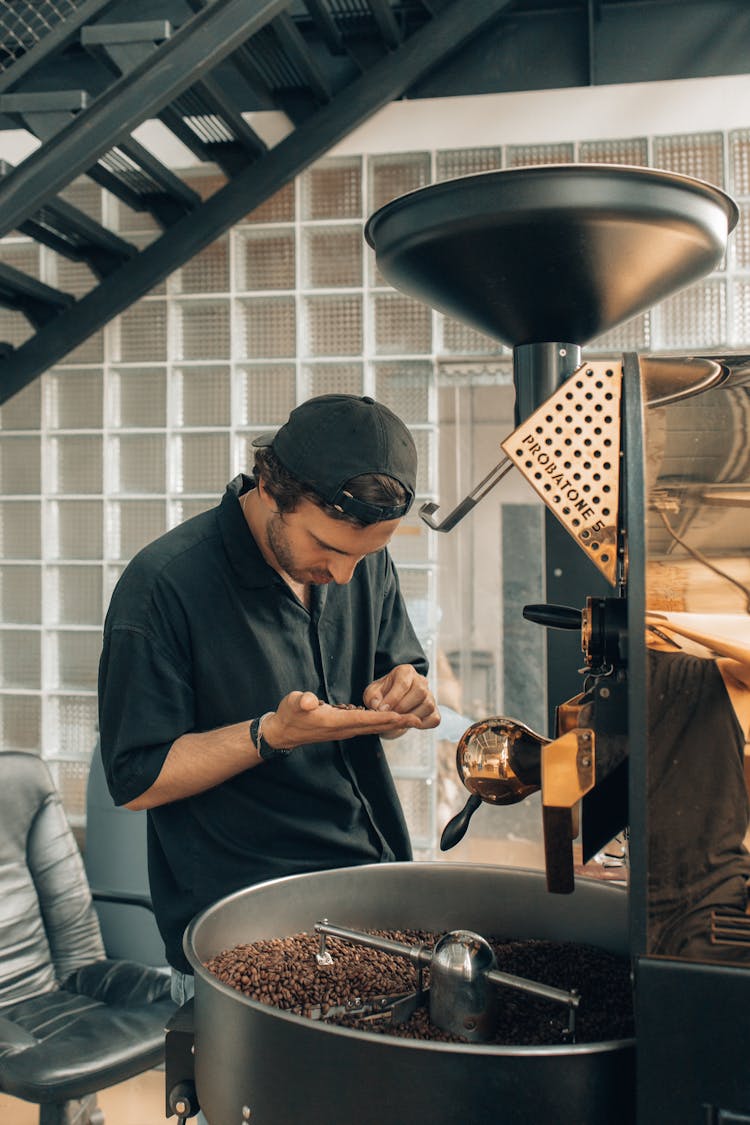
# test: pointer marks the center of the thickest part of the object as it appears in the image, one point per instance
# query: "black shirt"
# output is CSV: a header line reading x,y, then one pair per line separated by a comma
x,y
202,633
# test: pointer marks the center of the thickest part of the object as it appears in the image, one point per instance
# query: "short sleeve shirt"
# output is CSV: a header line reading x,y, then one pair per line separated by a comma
x,y
201,633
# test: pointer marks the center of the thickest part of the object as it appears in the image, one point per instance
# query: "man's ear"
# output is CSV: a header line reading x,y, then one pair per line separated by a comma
x,y
265,496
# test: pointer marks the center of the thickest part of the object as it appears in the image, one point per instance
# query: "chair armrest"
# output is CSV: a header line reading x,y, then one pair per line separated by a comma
x,y
119,982
125,898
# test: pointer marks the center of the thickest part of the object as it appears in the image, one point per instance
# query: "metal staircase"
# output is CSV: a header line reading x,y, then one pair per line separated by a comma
x,y
82,75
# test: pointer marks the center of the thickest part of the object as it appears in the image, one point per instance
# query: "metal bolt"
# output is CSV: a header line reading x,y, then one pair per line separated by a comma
x,y
585,761
469,1023
604,693
181,1106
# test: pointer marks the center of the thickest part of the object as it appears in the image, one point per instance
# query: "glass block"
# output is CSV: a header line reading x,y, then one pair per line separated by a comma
x,y
278,208
20,465
202,462
333,378
71,779
73,595
634,335
694,317
139,463
21,595
424,440
188,506
138,397
84,194
74,529
75,464
22,255
692,154
131,524
393,175
202,396
205,182
21,722
739,243
141,241
520,155
90,350
417,796
414,750
74,659
73,399
14,328
740,328
20,658
454,162
417,590
332,257
202,330
267,393
333,325
739,157
461,339
332,189
411,542
265,259
127,220
206,272
140,333
72,726
633,151
22,411
375,278
405,388
267,327
402,325
71,277
20,529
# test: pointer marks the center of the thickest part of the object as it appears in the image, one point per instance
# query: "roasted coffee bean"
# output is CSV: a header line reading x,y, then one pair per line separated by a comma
x,y
283,973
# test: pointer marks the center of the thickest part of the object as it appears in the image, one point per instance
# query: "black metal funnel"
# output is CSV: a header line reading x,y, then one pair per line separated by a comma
x,y
551,252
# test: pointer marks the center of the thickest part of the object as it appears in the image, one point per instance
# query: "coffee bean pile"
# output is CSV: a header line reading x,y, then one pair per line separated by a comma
x,y
283,973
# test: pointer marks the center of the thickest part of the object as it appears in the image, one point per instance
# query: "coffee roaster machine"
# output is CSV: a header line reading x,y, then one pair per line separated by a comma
x,y
545,259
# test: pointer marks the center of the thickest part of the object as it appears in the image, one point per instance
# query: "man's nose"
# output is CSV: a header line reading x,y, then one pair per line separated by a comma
x,y
342,569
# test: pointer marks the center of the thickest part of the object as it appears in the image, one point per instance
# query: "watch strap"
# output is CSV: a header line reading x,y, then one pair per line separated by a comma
x,y
265,750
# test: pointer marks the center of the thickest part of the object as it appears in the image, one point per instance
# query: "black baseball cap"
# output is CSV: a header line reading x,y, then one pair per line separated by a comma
x,y
329,440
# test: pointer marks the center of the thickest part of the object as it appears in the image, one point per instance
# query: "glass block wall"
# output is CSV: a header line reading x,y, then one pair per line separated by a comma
x,y
143,425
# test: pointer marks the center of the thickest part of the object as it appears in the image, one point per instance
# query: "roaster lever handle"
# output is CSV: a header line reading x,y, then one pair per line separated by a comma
x,y
554,616
455,829
427,511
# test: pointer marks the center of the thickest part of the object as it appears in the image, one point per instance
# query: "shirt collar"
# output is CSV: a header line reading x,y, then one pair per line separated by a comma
x,y
243,552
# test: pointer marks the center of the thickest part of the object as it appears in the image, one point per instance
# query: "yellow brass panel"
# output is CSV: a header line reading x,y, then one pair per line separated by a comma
x,y
569,452
568,769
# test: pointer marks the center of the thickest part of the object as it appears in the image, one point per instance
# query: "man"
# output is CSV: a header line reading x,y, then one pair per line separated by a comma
x,y
228,643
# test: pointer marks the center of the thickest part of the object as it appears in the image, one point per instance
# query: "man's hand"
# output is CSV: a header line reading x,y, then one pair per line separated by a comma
x,y
302,719
403,691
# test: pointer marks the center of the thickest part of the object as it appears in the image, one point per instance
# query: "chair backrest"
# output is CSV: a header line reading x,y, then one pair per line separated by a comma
x,y
115,858
48,925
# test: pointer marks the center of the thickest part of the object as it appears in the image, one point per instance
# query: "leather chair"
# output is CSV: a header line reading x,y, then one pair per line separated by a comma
x,y
72,1020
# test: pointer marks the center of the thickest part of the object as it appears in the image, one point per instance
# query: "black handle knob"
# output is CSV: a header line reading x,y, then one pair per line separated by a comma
x,y
554,616
455,829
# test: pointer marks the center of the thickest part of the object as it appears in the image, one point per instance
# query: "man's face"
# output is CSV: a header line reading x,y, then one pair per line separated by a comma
x,y
312,547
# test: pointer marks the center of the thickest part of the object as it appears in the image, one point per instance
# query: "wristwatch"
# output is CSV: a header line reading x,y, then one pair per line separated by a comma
x,y
265,750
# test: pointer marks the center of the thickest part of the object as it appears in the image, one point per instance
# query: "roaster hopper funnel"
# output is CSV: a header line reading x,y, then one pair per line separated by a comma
x,y
551,252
